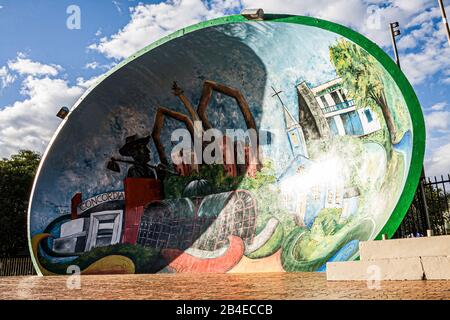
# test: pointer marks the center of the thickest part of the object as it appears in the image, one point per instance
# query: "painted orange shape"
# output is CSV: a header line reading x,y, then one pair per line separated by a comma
x,y
268,264
184,262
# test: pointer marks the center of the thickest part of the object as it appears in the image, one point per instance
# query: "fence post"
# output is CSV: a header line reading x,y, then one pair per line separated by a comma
x,y
424,199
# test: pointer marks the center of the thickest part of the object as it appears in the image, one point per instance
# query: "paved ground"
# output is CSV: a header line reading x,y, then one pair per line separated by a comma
x,y
217,286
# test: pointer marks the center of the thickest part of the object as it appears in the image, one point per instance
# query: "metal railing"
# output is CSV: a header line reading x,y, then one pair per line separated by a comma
x,y
435,203
18,266
338,107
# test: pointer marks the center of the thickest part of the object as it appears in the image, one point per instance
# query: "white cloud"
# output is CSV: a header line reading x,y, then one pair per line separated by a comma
x,y
152,21
30,123
407,42
409,5
370,17
438,120
439,106
87,83
25,66
446,78
433,58
437,157
424,16
439,161
94,65
6,78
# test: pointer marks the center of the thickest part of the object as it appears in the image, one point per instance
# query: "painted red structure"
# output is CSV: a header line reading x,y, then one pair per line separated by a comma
x,y
76,200
138,193
182,168
246,164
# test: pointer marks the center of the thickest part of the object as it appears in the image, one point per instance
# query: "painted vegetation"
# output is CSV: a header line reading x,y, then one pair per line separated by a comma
x,y
329,175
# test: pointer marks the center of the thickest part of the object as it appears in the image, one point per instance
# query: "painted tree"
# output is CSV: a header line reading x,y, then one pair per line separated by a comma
x,y
16,179
363,78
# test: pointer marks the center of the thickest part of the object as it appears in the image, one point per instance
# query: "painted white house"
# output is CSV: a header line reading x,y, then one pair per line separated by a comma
x,y
100,229
340,111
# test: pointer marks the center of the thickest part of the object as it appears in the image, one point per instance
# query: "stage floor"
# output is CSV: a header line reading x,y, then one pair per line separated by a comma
x,y
216,286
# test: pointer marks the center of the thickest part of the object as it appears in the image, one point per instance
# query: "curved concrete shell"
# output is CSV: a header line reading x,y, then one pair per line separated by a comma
x,y
305,136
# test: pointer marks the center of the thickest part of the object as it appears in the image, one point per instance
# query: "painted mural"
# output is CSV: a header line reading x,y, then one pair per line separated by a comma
x,y
326,171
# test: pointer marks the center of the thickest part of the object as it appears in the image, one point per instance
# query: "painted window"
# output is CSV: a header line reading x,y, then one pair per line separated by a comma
x,y
294,138
343,94
369,116
297,142
335,97
104,229
324,101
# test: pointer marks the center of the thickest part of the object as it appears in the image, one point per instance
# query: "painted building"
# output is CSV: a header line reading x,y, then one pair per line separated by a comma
x,y
94,222
295,135
341,113
305,204
200,219
100,229
294,130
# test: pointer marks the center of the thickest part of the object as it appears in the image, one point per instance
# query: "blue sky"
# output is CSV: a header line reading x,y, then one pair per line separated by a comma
x,y
44,65
38,29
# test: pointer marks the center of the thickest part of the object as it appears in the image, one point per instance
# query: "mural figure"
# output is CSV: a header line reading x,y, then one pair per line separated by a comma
x,y
136,147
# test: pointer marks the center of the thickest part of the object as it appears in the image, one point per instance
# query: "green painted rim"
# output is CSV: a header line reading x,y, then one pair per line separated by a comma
x,y
398,76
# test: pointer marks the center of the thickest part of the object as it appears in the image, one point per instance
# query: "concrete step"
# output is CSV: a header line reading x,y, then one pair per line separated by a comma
x,y
436,268
405,248
416,268
386,269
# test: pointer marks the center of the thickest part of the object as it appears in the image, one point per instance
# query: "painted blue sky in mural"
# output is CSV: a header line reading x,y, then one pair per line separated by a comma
x,y
44,65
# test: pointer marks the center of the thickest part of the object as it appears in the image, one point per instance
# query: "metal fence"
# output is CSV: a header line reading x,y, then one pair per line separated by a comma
x,y
19,266
429,210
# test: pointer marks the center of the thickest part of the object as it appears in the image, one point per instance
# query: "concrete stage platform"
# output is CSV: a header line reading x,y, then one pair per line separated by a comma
x,y
217,286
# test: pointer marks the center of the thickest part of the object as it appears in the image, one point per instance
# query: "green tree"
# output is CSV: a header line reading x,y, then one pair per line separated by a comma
x,y
363,78
16,179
